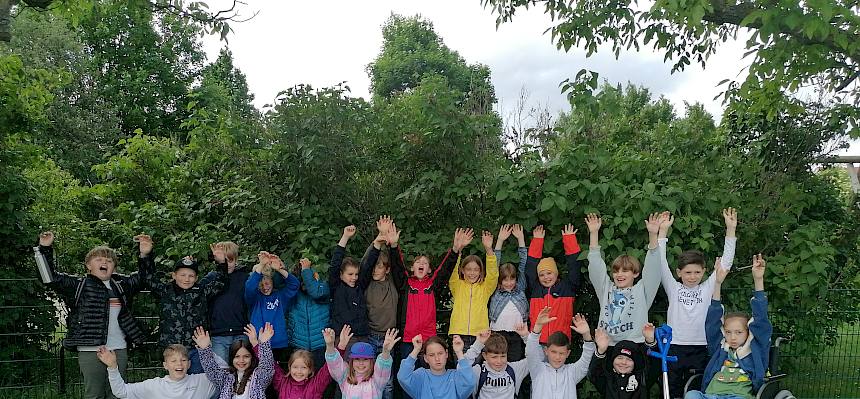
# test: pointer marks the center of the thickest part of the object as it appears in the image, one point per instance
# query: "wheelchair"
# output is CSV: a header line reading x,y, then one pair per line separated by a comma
x,y
771,389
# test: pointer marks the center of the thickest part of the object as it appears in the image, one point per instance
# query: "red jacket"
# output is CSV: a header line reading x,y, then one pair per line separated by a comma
x,y
561,295
420,300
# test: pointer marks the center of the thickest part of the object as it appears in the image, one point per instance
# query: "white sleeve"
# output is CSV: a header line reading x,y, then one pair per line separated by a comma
x,y
474,351
670,286
597,271
119,388
521,370
534,355
729,252
579,370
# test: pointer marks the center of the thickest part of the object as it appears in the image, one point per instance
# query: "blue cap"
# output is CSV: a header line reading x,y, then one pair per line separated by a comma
x,y
361,350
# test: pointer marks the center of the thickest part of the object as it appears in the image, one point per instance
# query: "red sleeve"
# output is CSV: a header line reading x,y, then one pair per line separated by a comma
x,y
571,246
536,248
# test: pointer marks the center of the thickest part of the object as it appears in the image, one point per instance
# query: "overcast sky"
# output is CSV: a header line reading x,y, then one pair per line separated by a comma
x,y
322,43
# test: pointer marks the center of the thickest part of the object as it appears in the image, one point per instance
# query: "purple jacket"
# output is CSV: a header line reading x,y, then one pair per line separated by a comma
x,y
224,380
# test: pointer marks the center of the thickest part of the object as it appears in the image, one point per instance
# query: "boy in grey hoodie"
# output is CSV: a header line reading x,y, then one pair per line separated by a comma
x,y
553,378
177,384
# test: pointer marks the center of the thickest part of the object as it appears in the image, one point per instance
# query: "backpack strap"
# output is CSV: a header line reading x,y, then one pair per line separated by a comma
x,y
513,375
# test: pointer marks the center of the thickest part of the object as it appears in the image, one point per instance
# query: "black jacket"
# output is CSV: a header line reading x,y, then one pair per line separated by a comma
x,y
89,309
228,314
612,385
348,304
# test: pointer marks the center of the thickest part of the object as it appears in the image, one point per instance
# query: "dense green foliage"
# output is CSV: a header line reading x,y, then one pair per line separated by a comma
x,y
96,152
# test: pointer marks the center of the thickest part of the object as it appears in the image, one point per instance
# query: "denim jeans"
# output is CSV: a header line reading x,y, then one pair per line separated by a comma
x,y
221,345
376,341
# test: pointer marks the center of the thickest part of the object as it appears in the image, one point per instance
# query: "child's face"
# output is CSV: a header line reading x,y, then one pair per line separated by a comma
x,y
736,332
349,275
556,355
185,278
471,272
362,366
622,364
242,359
497,361
380,271
101,267
176,366
509,283
421,267
623,278
266,286
691,274
547,278
435,355
299,370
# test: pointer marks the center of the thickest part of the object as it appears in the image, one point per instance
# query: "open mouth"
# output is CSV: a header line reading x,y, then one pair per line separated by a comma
x,y
103,268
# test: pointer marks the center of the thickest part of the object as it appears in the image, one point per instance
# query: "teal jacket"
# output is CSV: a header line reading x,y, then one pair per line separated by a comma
x,y
309,313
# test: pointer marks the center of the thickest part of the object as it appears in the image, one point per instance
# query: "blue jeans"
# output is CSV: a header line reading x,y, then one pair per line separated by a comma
x,y
196,365
701,395
221,345
376,341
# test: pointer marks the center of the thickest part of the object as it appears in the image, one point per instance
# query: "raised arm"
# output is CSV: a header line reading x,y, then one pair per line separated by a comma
x,y
64,284
462,238
316,289
214,373
491,280
215,286
596,266
666,276
597,368
714,316
760,324
651,271
137,281
252,292
406,376
730,217
395,258
382,366
266,367
337,257
535,253
571,256
522,253
368,263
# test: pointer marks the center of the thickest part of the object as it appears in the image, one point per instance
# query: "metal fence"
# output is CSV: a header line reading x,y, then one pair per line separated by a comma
x,y
46,370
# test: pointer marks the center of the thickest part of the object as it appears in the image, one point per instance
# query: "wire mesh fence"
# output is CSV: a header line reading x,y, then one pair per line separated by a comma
x,y
34,364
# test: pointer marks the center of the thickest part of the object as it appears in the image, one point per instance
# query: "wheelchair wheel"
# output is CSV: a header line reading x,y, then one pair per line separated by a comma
x,y
784,394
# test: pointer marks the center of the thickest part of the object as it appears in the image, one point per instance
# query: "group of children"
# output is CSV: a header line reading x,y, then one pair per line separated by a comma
x,y
507,322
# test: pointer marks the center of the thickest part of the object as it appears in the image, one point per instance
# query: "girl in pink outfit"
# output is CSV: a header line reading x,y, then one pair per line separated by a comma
x,y
360,377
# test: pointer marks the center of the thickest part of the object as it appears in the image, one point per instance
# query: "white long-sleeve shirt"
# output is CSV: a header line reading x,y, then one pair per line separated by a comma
x,y
689,305
193,386
499,384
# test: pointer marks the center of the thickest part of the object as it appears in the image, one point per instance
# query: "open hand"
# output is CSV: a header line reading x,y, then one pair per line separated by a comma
x,y
517,231
144,243
504,232
653,223
345,335
305,263
266,333
758,267
328,336
487,240
218,253
348,232
391,338
730,216
393,235
580,325
251,333
457,344
568,230
593,222
543,317
108,357
201,338
601,340
483,336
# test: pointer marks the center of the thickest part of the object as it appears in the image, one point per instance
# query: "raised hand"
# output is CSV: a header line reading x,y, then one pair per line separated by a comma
x,y
517,231
601,340
721,272
345,335
568,230
758,268
462,238
487,240
391,338
522,329
648,332
483,336
417,343
543,318
457,344
263,258
504,232
266,333
144,243
201,338
276,262
730,216
305,263
580,325
653,223
393,235
383,224
108,357
538,232
666,221
251,333
328,337
46,238
349,231
218,253
593,222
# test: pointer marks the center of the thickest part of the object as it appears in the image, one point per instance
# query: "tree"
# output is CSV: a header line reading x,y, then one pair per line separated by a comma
x,y
412,51
795,44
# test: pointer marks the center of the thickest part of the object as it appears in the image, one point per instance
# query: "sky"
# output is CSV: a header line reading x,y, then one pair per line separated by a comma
x,y
325,43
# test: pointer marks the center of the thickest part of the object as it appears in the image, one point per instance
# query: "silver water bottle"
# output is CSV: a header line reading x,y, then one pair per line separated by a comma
x,y
42,264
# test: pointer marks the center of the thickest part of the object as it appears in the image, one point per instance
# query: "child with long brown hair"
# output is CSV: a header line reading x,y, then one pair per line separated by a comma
x,y
248,375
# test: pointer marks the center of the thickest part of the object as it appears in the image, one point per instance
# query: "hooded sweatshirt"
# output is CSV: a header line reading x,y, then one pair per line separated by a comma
x,y
550,382
192,386
623,311
613,385
271,308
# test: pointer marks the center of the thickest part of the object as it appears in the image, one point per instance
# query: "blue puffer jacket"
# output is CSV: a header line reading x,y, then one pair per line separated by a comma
x,y
753,356
309,313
